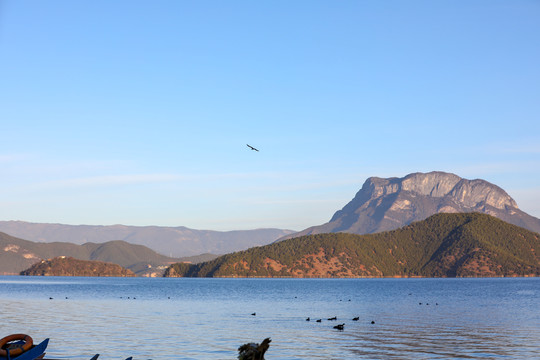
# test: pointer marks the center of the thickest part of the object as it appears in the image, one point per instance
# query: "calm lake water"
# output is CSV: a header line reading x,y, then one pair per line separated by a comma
x,y
172,318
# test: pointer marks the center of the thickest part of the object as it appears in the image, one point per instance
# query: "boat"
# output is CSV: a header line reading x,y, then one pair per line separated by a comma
x,y
21,347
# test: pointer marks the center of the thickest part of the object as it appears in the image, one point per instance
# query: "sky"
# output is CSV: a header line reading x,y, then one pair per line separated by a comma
x,y
139,112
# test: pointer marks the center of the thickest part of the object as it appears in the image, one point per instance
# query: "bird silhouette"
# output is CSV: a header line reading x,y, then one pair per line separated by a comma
x,y
339,327
252,148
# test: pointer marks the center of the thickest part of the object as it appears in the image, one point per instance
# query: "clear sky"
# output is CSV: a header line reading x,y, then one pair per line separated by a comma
x,y
139,112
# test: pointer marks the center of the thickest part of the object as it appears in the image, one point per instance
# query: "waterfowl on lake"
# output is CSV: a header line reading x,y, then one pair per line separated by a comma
x,y
339,326
332,318
356,318
319,320
308,319
254,314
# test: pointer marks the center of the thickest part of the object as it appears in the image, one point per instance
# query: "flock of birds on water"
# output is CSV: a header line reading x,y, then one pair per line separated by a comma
x,y
341,327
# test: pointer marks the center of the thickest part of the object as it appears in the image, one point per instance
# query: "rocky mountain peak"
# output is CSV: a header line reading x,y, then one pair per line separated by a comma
x,y
469,193
475,192
436,184
389,203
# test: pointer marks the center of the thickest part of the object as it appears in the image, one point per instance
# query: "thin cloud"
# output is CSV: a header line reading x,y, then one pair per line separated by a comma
x,y
480,169
291,201
522,148
126,179
9,158
113,180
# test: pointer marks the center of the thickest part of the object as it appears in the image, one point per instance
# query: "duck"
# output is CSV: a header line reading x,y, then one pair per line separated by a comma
x,y
356,318
332,318
339,326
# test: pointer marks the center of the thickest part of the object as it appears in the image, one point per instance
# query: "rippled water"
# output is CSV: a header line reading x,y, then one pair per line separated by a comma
x,y
209,318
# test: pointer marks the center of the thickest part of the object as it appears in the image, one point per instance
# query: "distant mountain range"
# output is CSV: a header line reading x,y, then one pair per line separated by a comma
x,y
387,204
380,205
172,241
17,255
444,245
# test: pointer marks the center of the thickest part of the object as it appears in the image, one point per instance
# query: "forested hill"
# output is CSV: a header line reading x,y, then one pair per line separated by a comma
x,y
18,254
68,266
444,245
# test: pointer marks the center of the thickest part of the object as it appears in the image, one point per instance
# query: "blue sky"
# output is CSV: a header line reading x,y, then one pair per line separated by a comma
x,y
139,112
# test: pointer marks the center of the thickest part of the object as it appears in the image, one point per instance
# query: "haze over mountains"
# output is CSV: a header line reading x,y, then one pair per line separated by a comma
x,y
380,205
387,204
170,241
19,254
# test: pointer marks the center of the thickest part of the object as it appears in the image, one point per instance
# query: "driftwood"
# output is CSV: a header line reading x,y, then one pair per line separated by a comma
x,y
253,351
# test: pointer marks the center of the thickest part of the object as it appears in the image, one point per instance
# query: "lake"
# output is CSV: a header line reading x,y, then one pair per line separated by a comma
x,y
180,318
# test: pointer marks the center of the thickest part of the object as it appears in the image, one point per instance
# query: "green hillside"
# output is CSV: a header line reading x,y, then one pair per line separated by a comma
x,y
68,266
18,254
444,245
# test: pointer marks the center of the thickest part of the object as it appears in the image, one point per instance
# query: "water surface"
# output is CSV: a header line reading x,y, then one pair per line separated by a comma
x,y
173,318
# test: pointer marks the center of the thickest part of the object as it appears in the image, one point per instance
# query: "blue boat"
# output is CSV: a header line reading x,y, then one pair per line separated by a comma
x,y
21,347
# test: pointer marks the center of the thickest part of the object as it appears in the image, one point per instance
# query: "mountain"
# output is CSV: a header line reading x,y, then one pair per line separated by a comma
x,y
68,266
172,241
387,204
444,245
18,254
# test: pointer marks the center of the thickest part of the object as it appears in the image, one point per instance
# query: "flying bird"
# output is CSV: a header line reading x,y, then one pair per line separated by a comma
x,y
251,147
